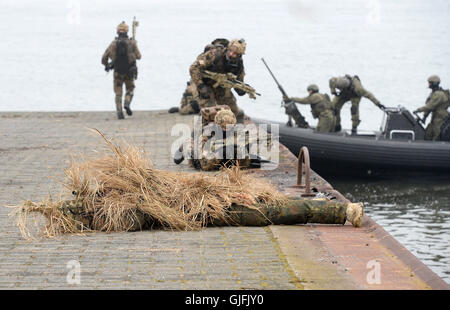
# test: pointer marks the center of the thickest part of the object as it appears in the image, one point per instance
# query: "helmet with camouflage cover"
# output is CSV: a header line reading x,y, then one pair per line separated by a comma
x,y
434,79
224,118
313,87
122,27
209,113
237,46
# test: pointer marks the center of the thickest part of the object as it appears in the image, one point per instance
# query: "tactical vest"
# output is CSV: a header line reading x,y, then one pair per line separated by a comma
x,y
322,106
221,65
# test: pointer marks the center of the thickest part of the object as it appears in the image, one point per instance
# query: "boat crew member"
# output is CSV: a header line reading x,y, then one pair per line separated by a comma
x,y
350,89
320,108
123,52
437,104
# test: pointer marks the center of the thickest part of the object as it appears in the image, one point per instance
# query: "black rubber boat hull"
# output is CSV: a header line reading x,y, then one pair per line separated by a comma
x,y
332,153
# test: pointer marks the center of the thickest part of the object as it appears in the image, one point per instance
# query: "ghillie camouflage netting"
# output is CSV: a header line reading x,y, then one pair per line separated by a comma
x,y
121,190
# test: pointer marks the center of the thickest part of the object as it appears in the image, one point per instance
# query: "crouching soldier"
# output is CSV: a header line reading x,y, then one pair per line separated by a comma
x,y
320,108
123,53
220,142
189,103
222,58
437,104
350,89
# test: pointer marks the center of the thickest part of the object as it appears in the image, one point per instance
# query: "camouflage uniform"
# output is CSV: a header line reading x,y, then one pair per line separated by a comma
x,y
320,108
189,103
121,78
208,148
351,90
437,103
215,60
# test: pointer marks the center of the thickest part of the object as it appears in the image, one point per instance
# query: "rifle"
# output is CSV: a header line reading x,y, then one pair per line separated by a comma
x,y
303,122
109,66
229,80
134,25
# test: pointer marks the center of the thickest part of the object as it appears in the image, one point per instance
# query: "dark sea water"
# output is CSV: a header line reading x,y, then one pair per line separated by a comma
x,y
415,211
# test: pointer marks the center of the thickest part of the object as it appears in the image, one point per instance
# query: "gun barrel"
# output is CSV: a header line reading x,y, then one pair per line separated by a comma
x,y
274,78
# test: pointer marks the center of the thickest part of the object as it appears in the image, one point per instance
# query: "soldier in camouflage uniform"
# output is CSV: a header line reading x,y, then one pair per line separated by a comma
x,y
123,52
320,108
437,104
189,103
351,90
189,100
209,150
225,58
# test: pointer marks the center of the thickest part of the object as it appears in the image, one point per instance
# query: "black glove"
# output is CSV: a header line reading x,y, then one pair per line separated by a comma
x,y
107,68
286,98
203,91
240,92
334,93
382,107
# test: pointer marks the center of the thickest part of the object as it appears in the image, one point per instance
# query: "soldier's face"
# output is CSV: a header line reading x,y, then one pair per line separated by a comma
x,y
231,55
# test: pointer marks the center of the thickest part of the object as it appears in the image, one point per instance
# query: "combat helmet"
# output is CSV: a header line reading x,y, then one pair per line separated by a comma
x,y
313,87
237,46
122,27
434,79
224,118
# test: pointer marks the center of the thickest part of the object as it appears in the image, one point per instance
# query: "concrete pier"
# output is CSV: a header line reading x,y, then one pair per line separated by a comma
x,y
36,147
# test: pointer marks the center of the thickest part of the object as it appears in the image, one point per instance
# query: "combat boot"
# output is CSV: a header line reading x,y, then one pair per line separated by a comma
x,y
128,98
354,131
119,107
127,108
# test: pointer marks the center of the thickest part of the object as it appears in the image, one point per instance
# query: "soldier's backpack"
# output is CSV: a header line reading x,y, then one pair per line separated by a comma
x,y
121,63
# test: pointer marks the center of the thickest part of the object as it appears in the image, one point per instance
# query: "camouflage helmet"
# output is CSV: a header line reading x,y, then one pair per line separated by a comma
x,y
122,27
313,87
225,117
342,82
237,46
434,79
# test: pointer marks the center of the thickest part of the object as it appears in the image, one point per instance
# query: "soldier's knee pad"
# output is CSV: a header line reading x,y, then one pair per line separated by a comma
x,y
195,106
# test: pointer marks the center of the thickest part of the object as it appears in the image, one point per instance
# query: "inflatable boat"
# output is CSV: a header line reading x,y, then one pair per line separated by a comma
x,y
398,148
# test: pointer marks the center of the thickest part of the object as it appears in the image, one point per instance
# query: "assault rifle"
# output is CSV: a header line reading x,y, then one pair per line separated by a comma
x,y
303,123
229,80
